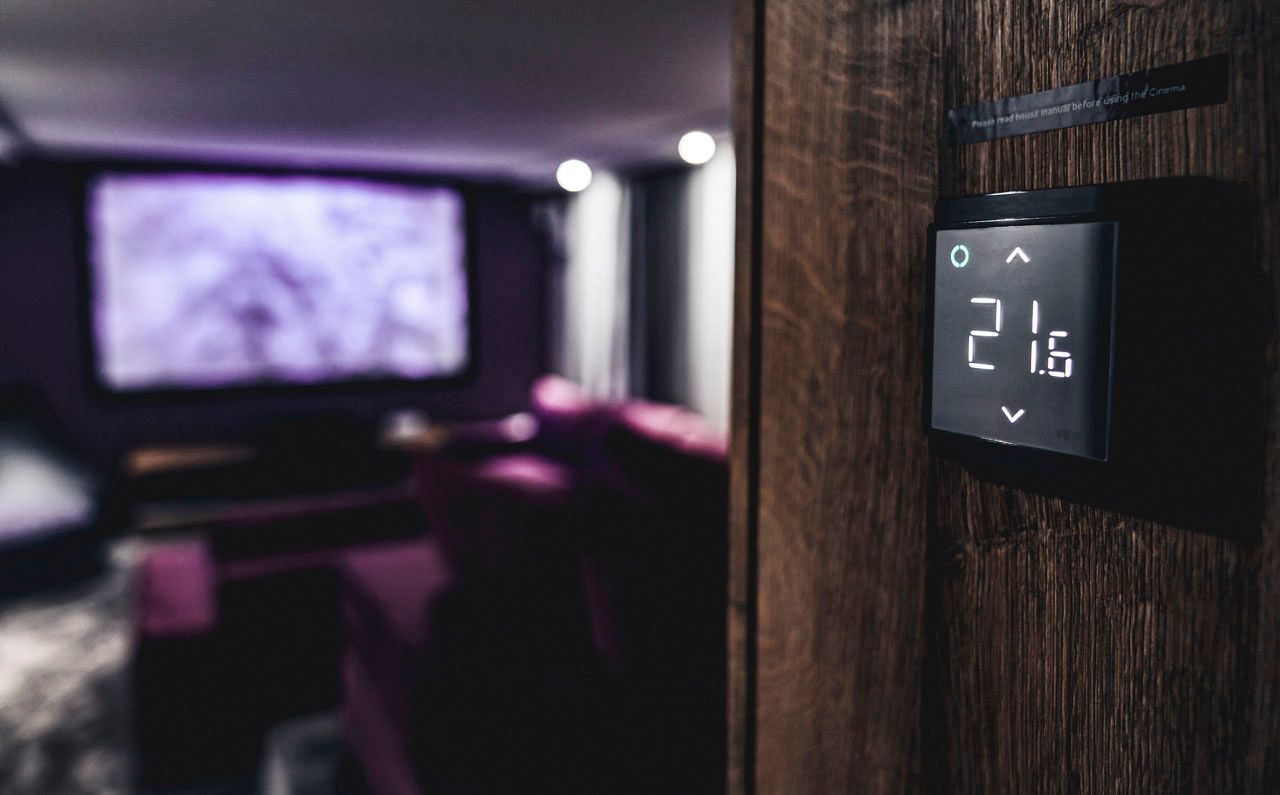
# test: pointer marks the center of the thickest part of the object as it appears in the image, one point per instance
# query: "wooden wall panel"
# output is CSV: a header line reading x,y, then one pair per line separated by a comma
x,y
849,137
900,623
744,409
1071,649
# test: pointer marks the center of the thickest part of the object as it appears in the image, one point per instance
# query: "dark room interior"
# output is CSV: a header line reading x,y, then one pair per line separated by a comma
x,y
364,397
697,397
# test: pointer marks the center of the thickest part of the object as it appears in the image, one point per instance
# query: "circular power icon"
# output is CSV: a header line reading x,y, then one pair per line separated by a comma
x,y
960,256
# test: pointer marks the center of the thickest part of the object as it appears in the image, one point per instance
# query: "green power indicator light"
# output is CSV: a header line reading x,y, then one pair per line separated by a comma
x,y
960,256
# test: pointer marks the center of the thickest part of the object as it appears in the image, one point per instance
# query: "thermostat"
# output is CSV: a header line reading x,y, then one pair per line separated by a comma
x,y
1022,328
1102,342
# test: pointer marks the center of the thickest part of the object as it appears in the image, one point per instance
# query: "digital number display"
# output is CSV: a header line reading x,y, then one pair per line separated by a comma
x,y
1022,333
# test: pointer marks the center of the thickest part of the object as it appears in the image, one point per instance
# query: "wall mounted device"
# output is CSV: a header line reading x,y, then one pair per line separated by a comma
x,y
1102,343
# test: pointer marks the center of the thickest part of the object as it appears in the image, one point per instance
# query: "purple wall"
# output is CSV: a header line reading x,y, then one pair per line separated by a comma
x,y
42,341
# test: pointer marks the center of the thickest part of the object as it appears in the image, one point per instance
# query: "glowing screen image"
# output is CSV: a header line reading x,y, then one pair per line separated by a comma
x,y
203,281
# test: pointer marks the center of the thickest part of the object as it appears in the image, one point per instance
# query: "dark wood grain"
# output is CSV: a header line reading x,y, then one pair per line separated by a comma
x,y
1072,649
848,165
743,443
997,641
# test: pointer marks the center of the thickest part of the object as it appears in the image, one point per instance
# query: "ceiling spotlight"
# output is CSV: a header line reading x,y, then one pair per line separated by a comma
x,y
696,147
573,175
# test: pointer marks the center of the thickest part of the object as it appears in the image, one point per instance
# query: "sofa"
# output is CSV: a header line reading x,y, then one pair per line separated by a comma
x,y
544,611
561,629
239,629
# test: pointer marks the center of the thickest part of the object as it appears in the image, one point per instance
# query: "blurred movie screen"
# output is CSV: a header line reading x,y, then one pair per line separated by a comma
x,y
207,281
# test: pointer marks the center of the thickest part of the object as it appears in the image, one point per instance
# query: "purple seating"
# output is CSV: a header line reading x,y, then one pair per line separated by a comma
x,y
656,567
223,650
236,633
558,627
385,593
502,658
175,674
571,620
175,592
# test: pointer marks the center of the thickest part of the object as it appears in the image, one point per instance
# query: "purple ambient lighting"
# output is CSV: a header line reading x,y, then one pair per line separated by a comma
x,y
205,281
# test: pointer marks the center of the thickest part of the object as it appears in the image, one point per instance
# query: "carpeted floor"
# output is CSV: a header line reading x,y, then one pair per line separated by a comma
x,y
64,691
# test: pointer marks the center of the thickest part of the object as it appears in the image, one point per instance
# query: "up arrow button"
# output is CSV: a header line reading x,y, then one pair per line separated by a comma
x,y
1017,252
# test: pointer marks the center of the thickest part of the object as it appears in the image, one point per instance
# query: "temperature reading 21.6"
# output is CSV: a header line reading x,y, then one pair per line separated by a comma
x,y
1047,356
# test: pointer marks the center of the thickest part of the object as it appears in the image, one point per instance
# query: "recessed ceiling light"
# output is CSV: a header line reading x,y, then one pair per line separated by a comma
x,y
696,147
573,175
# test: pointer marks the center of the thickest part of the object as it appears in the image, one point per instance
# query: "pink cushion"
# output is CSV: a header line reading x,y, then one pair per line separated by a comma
x,y
570,422
483,509
667,457
675,427
397,582
177,590
555,396
525,474
386,595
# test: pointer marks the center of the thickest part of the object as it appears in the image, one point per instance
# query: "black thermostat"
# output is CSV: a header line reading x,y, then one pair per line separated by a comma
x,y
1022,328
1103,343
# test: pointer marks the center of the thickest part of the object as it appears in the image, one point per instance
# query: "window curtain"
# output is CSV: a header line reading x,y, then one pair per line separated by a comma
x,y
591,302
643,303
682,286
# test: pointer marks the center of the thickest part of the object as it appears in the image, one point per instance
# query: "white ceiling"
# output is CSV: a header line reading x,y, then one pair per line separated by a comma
x,y
478,88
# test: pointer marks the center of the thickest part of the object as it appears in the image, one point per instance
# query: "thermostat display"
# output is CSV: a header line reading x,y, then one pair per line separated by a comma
x,y
1104,344
1023,321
